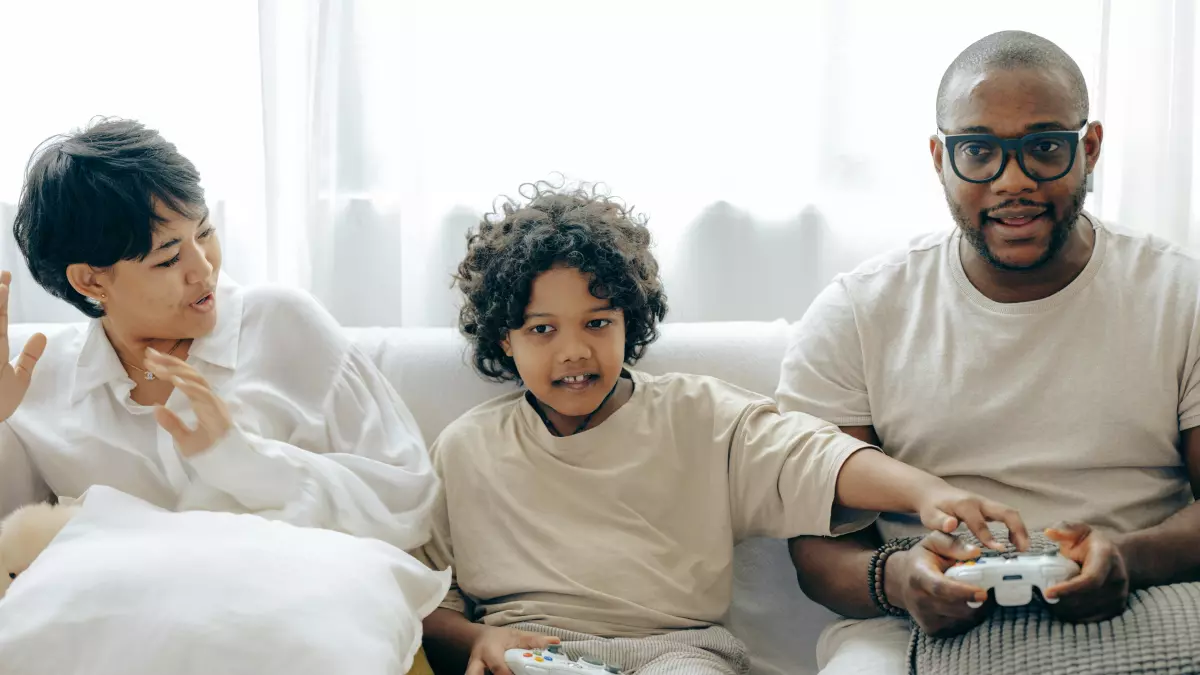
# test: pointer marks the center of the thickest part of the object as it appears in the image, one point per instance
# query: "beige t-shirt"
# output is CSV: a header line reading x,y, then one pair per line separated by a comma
x,y
1067,408
626,529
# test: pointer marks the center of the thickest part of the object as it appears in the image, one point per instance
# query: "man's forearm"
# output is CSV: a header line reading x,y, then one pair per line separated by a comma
x,y
833,572
1167,553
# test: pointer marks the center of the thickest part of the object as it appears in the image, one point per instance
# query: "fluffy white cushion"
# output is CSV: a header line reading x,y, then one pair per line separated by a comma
x,y
127,588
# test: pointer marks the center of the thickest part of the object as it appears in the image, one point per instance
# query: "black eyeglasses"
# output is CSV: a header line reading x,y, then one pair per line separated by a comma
x,y
1043,156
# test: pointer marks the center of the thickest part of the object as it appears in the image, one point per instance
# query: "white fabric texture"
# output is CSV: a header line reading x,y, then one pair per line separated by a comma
x,y
706,651
347,147
655,498
321,439
779,625
426,366
1116,352
130,589
865,647
1065,408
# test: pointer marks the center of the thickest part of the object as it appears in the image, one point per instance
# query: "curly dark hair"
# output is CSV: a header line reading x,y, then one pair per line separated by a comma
x,y
577,227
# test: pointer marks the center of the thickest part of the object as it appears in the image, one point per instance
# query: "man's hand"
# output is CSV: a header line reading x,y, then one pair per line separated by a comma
x,y
487,654
213,420
915,580
15,376
942,509
1101,591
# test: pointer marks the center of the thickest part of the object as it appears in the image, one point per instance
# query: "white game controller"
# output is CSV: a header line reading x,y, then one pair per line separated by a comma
x,y
1014,575
552,660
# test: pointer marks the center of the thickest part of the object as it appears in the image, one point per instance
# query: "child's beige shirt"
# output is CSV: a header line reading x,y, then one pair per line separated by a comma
x,y
628,528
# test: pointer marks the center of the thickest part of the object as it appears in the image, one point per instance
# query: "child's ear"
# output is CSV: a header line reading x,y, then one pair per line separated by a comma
x,y
506,346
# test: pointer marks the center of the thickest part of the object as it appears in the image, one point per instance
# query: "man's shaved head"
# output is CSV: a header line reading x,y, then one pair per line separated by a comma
x,y
1012,50
1010,85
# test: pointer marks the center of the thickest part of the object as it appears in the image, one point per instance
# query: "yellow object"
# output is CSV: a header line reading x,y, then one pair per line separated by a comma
x,y
420,664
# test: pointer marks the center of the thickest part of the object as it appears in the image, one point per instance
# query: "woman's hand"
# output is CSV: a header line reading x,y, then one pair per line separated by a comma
x,y
15,376
212,415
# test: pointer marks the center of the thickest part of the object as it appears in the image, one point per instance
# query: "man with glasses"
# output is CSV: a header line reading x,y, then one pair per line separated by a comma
x,y
1033,354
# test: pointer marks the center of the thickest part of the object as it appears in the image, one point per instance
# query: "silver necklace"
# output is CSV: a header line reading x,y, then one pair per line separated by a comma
x,y
147,375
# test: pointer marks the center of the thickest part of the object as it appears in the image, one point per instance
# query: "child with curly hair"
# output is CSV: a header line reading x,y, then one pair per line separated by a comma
x,y
598,508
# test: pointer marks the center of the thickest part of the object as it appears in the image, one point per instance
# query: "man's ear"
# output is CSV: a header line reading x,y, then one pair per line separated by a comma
x,y
1091,145
88,281
935,151
506,346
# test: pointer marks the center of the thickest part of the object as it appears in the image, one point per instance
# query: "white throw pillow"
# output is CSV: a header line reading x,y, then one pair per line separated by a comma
x,y
127,588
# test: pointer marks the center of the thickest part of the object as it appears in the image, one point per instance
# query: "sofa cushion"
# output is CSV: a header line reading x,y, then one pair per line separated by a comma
x,y
430,368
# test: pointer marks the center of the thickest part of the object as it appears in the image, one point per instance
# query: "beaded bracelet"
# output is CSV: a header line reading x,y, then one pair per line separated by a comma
x,y
875,569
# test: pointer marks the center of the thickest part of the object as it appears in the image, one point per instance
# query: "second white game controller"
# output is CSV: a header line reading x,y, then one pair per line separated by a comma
x,y
1013,576
552,661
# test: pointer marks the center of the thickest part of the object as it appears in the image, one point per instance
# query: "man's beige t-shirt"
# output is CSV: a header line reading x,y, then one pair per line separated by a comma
x,y
626,529
1066,408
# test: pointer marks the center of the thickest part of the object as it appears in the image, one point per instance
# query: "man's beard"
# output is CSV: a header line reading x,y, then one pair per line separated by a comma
x,y
974,230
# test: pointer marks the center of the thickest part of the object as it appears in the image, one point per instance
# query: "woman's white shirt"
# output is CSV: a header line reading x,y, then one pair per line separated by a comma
x,y
320,439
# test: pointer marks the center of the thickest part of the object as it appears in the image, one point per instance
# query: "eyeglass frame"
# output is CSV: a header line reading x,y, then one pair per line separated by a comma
x,y
1012,146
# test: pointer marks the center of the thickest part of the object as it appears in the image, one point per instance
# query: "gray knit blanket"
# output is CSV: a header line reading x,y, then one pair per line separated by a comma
x,y
1159,633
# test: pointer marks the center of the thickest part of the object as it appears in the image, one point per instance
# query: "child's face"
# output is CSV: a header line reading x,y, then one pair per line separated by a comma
x,y
572,347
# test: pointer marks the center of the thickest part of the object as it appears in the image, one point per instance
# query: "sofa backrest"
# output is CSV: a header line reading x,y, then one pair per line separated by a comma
x,y
430,367
431,370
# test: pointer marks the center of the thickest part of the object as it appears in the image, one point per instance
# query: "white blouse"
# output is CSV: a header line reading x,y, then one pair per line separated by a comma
x,y
321,439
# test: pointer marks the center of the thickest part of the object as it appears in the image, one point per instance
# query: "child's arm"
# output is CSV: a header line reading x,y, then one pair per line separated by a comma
x,y
455,644
789,472
872,481
449,638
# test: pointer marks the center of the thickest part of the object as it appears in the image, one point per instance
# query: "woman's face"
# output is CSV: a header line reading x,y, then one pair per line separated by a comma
x,y
171,293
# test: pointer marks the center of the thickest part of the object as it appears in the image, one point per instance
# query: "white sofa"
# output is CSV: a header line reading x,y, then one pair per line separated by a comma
x,y
430,369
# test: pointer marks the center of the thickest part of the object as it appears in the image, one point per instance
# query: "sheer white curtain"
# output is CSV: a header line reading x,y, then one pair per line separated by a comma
x,y
188,69
348,145
1148,77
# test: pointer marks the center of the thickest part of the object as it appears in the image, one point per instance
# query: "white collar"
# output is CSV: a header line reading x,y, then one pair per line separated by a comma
x,y
99,365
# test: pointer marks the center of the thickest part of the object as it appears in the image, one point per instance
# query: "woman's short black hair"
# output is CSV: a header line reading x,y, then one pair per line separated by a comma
x,y
579,228
89,197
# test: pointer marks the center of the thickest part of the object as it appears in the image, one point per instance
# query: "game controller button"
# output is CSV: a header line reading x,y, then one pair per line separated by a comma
x,y
527,655
538,659
612,668
554,649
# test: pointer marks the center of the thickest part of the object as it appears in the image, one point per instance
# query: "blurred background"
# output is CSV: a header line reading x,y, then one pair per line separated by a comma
x,y
347,145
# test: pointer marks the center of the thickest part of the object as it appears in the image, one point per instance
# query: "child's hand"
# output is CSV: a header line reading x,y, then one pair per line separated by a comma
x,y
487,654
942,509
